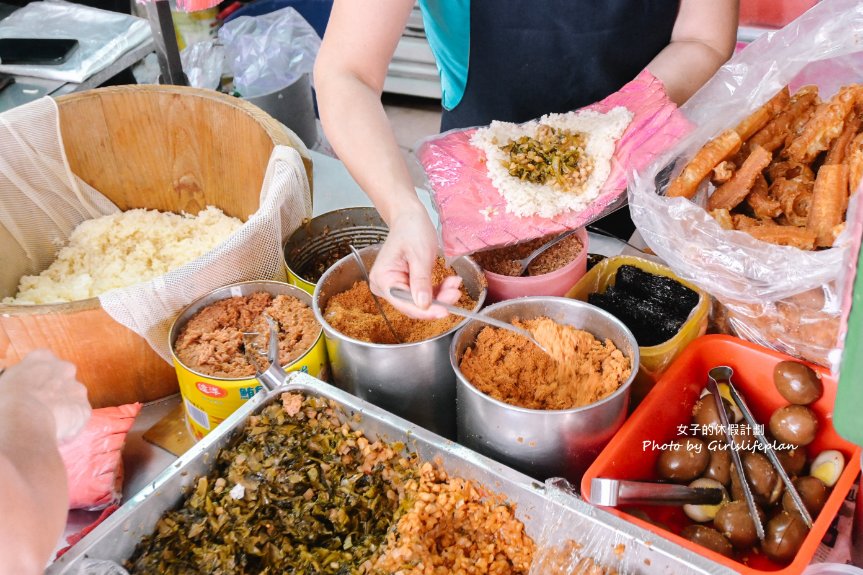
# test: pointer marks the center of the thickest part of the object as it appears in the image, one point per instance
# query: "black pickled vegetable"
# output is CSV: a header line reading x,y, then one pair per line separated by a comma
x,y
653,307
675,297
645,318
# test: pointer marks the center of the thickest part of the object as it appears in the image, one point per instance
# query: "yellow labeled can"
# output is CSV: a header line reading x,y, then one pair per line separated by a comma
x,y
322,241
209,400
296,280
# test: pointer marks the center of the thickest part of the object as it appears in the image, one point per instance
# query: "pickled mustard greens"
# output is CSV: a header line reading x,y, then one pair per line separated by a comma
x,y
300,493
553,156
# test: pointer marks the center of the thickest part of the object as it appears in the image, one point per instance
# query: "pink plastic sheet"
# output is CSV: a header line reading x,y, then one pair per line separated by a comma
x,y
190,5
473,213
94,464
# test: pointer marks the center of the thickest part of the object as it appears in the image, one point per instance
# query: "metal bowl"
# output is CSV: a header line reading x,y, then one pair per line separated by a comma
x,y
412,380
543,443
326,238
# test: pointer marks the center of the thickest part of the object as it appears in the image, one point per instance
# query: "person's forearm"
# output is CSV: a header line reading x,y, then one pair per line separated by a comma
x,y
702,40
34,496
360,133
684,66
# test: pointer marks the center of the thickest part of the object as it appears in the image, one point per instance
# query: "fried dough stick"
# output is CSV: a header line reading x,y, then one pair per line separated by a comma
x,y
731,193
855,163
784,235
825,126
723,218
763,206
744,223
829,201
699,167
795,197
841,145
722,172
772,136
759,118
790,171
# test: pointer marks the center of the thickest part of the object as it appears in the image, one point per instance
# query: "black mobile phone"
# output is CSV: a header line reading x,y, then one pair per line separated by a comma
x,y
40,51
6,80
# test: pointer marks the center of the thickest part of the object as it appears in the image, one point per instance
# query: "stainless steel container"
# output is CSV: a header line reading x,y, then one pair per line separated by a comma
x,y
643,552
412,380
543,443
294,107
325,238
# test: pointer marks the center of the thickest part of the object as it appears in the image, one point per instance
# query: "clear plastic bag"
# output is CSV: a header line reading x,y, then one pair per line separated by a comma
x,y
269,52
102,37
782,297
99,567
203,63
564,547
473,213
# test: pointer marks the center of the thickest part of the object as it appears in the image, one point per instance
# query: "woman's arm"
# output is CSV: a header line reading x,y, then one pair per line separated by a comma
x,y
34,498
349,77
703,38
41,402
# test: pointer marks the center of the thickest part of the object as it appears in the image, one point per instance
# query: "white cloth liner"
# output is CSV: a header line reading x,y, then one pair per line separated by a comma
x,y
42,201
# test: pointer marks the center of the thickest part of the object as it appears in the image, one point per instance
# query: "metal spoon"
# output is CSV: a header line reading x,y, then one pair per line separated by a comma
x,y
525,262
374,297
455,310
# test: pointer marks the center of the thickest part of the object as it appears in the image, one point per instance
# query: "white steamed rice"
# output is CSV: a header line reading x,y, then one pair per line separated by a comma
x,y
526,199
122,249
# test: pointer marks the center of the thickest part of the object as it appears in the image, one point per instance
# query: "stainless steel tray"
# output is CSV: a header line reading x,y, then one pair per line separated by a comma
x,y
642,552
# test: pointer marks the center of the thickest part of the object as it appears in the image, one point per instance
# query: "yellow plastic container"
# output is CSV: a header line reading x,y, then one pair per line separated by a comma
x,y
656,358
210,400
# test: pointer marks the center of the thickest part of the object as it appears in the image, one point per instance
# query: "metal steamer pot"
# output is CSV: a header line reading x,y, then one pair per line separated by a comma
x,y
412,380
543,443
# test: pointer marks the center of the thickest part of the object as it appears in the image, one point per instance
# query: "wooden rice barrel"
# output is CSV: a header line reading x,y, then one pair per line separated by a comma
x,y
159,147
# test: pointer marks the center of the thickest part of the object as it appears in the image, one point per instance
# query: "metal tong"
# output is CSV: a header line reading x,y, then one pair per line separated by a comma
x,y
713,387
722,374
365,273
613,492
455,310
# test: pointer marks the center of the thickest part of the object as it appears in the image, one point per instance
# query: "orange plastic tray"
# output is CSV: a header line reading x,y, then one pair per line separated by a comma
x,y
670,404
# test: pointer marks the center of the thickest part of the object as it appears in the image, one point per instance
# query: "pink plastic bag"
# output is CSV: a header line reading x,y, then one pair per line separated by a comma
x,y
473,213
94,464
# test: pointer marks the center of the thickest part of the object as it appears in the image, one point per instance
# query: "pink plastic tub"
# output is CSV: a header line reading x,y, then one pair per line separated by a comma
x,y
556,283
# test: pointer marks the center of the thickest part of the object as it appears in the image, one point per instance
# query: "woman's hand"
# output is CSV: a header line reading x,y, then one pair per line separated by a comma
x,y
406,261
41,402
50,381
350,71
